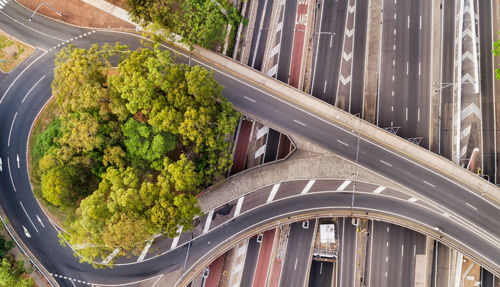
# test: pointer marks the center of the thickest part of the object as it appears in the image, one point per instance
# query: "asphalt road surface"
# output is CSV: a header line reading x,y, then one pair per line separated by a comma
x,y
347,253
474,224
250,262
297,258
321,274
259,37
285,56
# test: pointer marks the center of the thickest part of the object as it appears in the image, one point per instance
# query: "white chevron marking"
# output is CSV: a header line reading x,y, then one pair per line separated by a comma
x,y
351,9
346,56
345,81
469,110
349,33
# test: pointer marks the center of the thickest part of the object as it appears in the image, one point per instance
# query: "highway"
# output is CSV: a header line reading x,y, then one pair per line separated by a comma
x,y
250,262
297,258
321,274
348,237
285,56
466,219
404,83
260,34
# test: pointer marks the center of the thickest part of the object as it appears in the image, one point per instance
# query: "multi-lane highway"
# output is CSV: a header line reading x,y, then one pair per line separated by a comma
x,y
466,219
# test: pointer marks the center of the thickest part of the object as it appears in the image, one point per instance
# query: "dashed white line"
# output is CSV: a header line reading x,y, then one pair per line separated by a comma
x,y
379,189
387,244
273,192
406,113
251,100
394,47
414,250
324,87
394,31
388,229
386,163
238,206
40,220
395,16
412,199
341,142
176,239
419,68
407,67
387,259
471,206
300,123
430,184
402,250
392,108
343,185
418,114
420,22
11,125
18,161
408,22
10,174
209,220
36,229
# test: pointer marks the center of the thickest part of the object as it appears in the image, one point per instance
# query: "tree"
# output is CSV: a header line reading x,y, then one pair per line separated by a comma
x,y
10,277
496,52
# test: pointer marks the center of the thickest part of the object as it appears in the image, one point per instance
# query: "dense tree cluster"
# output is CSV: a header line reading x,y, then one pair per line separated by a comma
x,y
12,272
201,22
132,145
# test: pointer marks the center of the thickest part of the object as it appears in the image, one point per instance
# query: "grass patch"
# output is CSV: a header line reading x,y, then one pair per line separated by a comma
x,y
13,51
47,116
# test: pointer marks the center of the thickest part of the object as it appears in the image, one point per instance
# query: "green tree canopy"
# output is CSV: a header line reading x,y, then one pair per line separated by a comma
x,y
132,146
496,52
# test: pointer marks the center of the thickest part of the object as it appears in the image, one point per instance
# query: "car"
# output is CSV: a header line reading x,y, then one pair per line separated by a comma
x,y
206,272
259,238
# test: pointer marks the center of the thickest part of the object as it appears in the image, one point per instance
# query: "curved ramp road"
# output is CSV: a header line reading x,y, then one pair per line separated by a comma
x,y
466,220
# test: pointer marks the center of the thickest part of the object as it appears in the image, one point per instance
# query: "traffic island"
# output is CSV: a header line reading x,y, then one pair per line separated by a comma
x,y
12,52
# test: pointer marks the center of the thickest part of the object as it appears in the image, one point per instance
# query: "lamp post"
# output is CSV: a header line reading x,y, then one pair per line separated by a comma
x,y
46,4
356,161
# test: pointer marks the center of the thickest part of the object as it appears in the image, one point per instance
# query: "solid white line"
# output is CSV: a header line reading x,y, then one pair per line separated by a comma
x,y
341,142
342,248
28,216
273,192
471,206
308,186
10,132
343,185
251,100
238,206
176,239
209,220
31,28
10,174
300,123
430,184
386,163
15,80
379,189
32,89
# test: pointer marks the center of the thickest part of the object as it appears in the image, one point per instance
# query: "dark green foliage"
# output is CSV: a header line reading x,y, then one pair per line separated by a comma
x,y
47,139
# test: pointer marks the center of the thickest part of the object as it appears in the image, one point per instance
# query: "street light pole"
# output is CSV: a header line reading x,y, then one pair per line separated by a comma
x,y
356,161
46,4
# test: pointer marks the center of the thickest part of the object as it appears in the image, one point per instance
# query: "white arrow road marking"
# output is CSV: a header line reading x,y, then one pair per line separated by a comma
x,y
18,166
40,220
26,232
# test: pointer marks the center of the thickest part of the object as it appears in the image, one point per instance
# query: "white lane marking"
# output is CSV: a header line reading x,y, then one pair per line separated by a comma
x,y
421,22
395,16
251,100
418,114
446,214
18,163
1,165
394,47
393,78
402,250
109,258
308,186
394,31
36,84
387,244
10,174
385,273
407,67
344,185
408,22
176,239
419,68
28,216
40,220
39,32
429,184
414,250
412,199
387,228
341,142
392,108
26,232
209,220
394,62
324,87
379,189
145,251
296,260
273,192
386,163
10,132
300,123
387,259
406,113
471,206
331,39
238,206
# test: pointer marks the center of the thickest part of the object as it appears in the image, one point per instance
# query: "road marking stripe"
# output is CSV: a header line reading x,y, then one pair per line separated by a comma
x,y
402,250
386,163
412,199
238,206
176,239
308,186
471,206
209,220
145,251
344,185
28,216
379,189
10,131
341,142
300,123
109,258
10,174
32,88
251,100
40,220
273,192
430,184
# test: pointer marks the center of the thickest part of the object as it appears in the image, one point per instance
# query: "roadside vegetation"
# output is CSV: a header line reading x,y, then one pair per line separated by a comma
x,y
496,52
130,146
201,22
12,52
13,273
